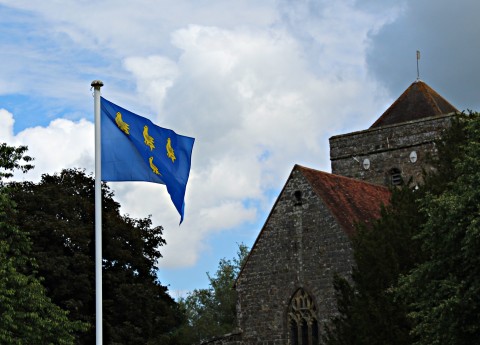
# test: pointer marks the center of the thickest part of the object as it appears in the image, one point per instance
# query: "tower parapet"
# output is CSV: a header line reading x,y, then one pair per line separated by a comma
x,y
395,148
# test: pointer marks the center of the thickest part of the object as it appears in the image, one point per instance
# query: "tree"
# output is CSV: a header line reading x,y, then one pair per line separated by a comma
x,y
369,312
27,315
58,213
417,268
211,312
443,292
13,158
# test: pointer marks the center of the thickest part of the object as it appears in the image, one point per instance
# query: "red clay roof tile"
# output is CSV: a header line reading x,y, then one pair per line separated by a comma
x,y
418,101
350,201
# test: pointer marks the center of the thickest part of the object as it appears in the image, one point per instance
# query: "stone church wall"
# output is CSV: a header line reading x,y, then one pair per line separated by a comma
x,y
387,148
301,246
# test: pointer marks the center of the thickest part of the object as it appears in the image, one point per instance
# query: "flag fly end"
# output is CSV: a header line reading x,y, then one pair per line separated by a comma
x,y
135,149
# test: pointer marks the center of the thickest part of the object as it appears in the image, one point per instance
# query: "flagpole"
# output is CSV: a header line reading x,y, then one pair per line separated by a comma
x,y
97,84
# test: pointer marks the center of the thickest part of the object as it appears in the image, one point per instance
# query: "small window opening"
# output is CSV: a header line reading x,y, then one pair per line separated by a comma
x,y
396,177
298,197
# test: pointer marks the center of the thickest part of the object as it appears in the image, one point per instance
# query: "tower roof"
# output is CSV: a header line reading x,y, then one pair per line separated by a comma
x,y
418,101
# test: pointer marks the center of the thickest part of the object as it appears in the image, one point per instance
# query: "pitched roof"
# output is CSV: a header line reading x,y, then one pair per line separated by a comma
x,y
350,201
418,101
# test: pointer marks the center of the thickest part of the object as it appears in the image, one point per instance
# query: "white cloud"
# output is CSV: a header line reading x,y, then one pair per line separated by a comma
x,y
140,27
62,144
202,219
253,105
260,87
7,121
155,74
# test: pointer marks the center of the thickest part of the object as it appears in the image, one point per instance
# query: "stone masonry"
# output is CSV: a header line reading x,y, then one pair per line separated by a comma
x,y
301,246
285,288
404,147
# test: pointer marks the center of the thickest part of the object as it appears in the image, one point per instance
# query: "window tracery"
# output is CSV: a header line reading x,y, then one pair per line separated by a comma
x,y
302,319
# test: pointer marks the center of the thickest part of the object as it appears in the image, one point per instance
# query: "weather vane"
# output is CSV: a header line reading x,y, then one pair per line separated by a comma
x,y
418,70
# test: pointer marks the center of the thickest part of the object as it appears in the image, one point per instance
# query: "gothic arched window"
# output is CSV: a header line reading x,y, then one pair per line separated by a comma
x,y
302,319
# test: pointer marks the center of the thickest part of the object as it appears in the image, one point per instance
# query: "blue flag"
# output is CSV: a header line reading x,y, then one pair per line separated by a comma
x,y
134,149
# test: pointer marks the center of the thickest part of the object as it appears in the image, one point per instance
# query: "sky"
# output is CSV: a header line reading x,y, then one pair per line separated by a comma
x,y
261,86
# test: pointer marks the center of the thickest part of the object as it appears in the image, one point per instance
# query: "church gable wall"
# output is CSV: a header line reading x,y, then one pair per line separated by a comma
x,y
300,246
387,148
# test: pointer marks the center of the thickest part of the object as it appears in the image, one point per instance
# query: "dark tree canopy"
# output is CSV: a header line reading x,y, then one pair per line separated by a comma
x,y
13,158
443,292
416,279
369,312
27,314
58,214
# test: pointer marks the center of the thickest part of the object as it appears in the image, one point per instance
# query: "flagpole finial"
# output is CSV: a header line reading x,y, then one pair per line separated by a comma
x,y
97,84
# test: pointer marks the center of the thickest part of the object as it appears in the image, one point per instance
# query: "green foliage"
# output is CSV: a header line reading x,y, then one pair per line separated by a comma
x,y
58,213
211,312
27,315
369,313
12,158
417,269
443,292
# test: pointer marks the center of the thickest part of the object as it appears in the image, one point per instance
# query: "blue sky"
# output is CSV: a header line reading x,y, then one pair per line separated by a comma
x,y
261,85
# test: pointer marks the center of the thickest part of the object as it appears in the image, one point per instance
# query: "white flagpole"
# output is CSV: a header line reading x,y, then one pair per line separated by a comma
x,y
97,84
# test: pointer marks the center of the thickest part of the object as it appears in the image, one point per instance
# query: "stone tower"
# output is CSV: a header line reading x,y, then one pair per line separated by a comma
x,y
285,288
395,147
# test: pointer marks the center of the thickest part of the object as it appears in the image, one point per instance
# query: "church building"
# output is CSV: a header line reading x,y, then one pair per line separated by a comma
x,y
285,288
